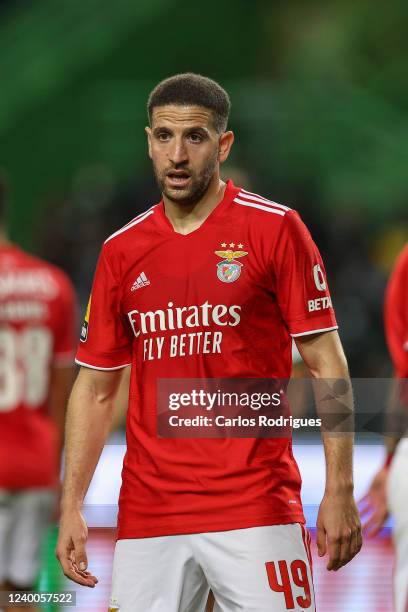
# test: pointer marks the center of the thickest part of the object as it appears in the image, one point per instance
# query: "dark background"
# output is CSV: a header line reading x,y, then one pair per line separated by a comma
x,y
319,110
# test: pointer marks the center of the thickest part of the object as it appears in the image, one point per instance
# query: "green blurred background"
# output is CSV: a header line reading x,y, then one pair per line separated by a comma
x,y
319,107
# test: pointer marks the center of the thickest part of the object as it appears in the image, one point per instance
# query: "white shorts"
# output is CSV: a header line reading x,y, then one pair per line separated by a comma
x,y
398,502
24,516
257,570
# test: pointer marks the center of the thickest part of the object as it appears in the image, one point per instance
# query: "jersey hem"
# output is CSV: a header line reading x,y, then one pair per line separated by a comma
x,y
166,529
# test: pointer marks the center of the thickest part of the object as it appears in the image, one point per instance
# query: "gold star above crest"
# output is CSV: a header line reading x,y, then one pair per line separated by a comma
x,y
223,244
240,246
232,244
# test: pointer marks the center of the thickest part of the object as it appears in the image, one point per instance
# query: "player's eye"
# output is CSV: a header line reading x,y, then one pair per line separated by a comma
x,y
163,136
196,137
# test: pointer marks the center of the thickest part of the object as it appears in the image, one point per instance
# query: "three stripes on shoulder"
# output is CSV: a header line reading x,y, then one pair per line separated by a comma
x,y
246,198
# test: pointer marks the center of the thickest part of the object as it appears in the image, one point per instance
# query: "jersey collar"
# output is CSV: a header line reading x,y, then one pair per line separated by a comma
x,y
229,194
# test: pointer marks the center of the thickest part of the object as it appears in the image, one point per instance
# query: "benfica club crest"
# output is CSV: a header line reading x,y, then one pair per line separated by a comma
x,y
229,270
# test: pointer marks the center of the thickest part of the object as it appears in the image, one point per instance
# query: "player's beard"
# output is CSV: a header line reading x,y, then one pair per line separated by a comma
x,y
197,186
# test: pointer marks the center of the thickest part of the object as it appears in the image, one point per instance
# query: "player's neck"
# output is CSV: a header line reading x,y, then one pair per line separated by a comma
x,y
185,218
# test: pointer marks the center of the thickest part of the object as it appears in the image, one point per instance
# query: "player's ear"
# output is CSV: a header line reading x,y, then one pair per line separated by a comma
x,y
149,140
225,144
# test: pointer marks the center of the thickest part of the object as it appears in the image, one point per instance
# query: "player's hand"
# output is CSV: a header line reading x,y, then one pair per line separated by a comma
x,y
338,529
373,506
70,552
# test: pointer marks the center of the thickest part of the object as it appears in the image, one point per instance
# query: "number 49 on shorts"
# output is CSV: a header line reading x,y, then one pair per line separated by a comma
x,y
282,578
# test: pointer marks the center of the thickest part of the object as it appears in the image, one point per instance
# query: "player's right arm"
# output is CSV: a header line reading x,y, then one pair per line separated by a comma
x,y
104,352
121,401
89,417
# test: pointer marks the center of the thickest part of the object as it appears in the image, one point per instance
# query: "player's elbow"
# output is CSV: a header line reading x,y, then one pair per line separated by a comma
x,y
98,387
332,366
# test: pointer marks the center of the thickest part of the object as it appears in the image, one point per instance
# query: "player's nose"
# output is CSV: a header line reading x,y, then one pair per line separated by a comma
x,y
178,152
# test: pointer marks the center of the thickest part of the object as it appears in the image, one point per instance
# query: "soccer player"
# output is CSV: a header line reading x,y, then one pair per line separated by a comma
x,y
212,282
37,344
389,488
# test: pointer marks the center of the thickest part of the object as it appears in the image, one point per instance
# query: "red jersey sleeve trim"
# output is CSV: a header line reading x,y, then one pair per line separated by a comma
x,y
314,331
95,367
113,360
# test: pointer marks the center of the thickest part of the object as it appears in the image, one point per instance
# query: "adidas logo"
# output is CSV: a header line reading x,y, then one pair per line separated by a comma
x,y
141,281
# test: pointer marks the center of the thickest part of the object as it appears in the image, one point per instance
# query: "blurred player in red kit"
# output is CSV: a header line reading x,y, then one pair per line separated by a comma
x,y
389,489
211,282
37,333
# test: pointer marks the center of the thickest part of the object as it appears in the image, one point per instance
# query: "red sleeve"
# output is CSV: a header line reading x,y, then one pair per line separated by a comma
x,y
66,324
396,315
105,342
300,280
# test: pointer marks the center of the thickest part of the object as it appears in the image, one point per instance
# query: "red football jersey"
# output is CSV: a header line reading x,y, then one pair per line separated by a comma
x,y
220,302
37,331
396,318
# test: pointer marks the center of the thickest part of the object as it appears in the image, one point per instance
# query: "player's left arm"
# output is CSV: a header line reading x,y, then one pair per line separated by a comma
x,y
338,522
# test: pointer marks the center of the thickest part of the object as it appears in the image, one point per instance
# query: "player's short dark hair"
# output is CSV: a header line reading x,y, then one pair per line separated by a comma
x,y
192,89
3,199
